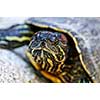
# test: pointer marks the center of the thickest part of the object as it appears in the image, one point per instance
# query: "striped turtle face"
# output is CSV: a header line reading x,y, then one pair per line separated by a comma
x,y
48,50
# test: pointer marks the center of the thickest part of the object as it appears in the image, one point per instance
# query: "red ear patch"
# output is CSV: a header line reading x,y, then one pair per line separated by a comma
x,y
63,38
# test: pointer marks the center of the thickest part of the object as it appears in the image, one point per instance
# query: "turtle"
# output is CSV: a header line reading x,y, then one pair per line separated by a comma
x,y
56,52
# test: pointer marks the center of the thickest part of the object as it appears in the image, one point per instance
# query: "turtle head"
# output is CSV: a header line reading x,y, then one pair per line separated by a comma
x,y
48,50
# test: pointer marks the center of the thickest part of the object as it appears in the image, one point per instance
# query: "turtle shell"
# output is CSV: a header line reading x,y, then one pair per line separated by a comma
x,y
82,32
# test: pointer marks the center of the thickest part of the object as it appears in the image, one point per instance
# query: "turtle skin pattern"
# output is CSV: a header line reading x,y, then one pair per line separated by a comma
x,y
52,52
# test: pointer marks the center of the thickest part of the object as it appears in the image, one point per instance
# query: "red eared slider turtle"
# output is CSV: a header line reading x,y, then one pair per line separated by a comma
x,y
56,52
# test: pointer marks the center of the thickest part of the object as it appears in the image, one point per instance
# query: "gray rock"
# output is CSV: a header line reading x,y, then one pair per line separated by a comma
x,y
13,69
